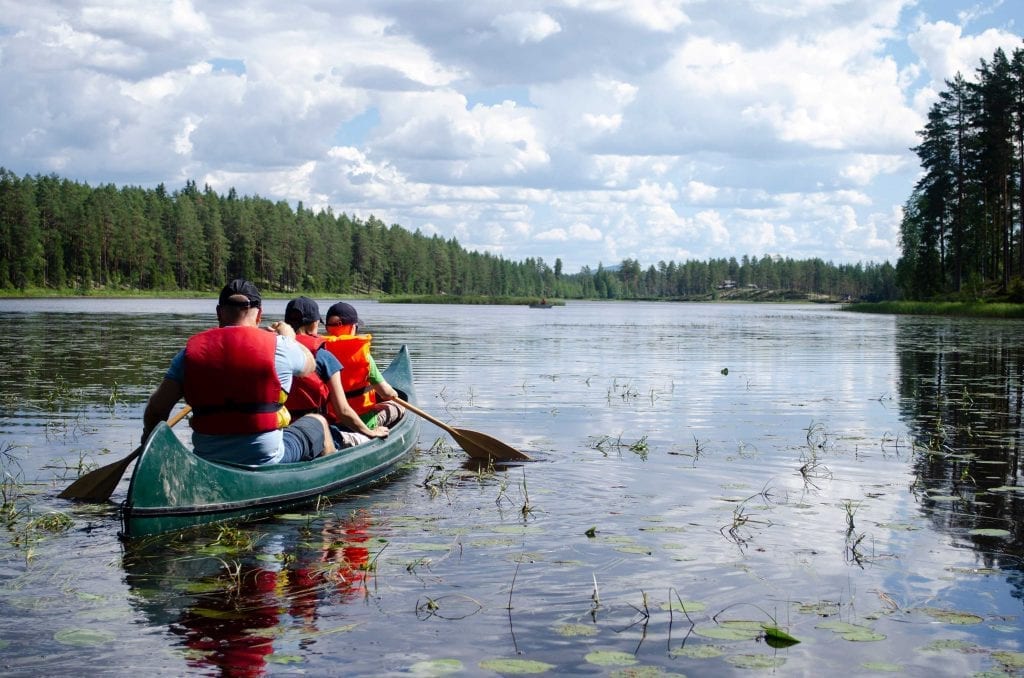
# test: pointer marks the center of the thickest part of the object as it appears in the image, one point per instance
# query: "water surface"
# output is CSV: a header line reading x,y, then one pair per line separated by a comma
x,y
701,472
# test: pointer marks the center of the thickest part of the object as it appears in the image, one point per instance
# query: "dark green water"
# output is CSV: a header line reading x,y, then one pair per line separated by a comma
x,y
700,472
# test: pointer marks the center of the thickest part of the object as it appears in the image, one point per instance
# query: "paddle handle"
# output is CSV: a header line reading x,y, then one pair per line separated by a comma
x,y
179,416
432,420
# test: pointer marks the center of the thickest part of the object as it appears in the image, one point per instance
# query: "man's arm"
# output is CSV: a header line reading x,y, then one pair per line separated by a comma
x,y
347,417
160,404
379,384
293,349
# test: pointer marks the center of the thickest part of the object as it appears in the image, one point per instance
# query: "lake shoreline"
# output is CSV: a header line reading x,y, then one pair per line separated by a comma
x,y
949,309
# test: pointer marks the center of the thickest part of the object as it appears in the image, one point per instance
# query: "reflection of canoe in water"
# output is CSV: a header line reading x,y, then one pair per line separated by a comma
x,y
172,488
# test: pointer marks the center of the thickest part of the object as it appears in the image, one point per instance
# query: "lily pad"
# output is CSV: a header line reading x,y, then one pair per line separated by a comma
x,y
824,608
575,630
195,587
436,667
756,661
83,637
425,546
952,616
1005,628
953,644
639,550
663,528
610,658
1011,660
852,632
973,570
864,635
285,659
684,606
732,630
217,614
989,532
837,626
698,652
643,672
515,666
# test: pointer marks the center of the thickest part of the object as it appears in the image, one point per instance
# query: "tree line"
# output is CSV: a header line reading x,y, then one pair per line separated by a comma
x,y
65,235
963,223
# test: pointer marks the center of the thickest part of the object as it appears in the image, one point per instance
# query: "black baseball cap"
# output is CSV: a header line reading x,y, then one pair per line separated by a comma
x,y
301,311
240,293
346,312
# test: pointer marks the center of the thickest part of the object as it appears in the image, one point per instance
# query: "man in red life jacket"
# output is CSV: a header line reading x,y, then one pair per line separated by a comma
x,y
366,390
321,392
236,377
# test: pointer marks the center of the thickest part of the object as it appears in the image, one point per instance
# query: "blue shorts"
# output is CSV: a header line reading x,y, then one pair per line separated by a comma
x,y
303,440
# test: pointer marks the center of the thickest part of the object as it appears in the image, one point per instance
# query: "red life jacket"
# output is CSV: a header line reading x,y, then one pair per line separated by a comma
x,y
231,382
353,352
309,393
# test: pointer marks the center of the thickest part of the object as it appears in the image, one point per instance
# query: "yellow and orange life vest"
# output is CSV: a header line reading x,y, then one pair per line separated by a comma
x,y
353,352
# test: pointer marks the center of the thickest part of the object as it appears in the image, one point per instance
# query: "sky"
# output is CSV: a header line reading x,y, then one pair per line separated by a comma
x,y
589,131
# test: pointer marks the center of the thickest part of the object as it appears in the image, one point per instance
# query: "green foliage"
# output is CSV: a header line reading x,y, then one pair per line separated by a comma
x,y
62,236
963,226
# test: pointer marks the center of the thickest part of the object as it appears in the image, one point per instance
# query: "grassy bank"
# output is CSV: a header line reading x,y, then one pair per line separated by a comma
x,y
965,309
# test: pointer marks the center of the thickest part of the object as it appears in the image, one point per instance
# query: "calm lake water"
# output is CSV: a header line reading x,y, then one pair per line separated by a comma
x,y
703,474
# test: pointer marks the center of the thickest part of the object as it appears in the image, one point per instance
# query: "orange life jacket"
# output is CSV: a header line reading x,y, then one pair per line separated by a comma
x,y
309,393
231,382
353,352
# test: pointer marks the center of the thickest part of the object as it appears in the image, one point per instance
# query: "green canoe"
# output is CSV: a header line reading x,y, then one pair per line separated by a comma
x,y
173,489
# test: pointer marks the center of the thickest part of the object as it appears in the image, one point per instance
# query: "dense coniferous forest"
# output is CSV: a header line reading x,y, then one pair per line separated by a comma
x,y
67,236
963,224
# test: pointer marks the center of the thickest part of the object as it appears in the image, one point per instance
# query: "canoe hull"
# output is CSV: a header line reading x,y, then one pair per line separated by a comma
x,y
173,489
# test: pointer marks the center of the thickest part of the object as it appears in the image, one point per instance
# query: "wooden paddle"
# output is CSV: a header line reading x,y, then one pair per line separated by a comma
x,y
99,484
477,445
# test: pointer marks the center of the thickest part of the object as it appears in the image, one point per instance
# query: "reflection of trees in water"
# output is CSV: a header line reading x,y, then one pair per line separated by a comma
x,y
961,390
229,609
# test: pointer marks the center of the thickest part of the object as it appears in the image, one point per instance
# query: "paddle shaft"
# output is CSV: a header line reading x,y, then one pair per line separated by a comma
x,y
432,420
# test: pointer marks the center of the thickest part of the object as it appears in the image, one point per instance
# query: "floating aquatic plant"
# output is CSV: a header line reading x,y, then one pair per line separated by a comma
x,y
610,658
515,666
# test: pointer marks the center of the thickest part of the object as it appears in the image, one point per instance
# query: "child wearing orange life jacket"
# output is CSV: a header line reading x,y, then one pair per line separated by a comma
x,y
322,392
366,390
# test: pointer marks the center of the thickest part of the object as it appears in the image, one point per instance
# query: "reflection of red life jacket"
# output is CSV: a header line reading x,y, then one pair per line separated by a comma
x,y
353,351
309,393
231,383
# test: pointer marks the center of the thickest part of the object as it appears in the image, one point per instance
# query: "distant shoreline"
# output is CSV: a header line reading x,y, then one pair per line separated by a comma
x,y
966,309
950,309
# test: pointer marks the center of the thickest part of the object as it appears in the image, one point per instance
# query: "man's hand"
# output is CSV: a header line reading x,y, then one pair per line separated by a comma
x,y
283,328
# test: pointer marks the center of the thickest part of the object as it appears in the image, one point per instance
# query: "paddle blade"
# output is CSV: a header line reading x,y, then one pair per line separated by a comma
x,y
99,484
482,446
